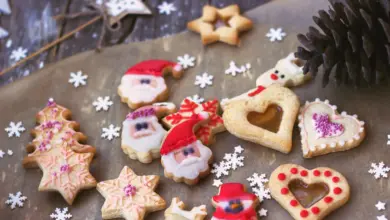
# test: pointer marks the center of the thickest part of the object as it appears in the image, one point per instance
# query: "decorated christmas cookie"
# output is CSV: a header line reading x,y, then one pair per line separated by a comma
x,y
266,118
130,196
54,129
142,134
308,194
233,202
323,130
184,158
188,108
144,84
176,211
287,72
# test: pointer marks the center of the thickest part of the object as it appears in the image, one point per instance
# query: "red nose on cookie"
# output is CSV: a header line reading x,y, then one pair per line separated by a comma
x,y
274,76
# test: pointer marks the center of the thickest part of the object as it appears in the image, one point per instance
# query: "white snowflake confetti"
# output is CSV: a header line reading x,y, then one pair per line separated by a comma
x,y
3,33
204,80
380,206
382,217
196,98
1,154
94,35
379,170
276,34
262,193
263,212
238,149
15,199
217,182
18,54
8,44
61,215
15,129
234,160
102,103
41,65
388,139
26,73
186,61
78,79
234,69
110,132
10,152
221,168
166,8
257,180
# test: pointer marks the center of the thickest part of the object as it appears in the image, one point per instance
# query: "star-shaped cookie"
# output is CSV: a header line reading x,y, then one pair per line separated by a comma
x,y
188,108
223,25
130,196
65,171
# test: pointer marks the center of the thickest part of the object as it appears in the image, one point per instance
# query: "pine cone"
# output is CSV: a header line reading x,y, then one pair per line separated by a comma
x,y
353,44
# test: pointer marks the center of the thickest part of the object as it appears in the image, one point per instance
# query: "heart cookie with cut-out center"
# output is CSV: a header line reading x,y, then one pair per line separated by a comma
x,y
254,117
308,194
323,130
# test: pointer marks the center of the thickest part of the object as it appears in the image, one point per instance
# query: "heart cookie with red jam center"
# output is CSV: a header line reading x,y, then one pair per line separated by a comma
x,y
308,194
324,131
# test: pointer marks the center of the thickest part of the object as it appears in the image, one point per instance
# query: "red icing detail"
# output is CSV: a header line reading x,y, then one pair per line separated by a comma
x,y
316,173
337,190
293,202
335,179
284,191
315,210
229,191
181,135
304,213
281,176
294,170
328,199
274,77
150,67
257,91
303,173
189,108
328,173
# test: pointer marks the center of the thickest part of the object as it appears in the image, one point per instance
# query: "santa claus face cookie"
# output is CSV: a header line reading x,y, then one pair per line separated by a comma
x,y
142,134
186,159
233,202
144,84
308,194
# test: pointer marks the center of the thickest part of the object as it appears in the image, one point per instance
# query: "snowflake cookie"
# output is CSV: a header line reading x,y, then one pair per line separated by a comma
x,y
130,196
78,79
110,132
177,211
16,199
276,34
15,129
102,103
204,80
61,214
379,170
186,61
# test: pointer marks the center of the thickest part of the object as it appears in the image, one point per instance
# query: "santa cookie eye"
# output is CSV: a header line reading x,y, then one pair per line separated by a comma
x,y
282,76
140,126
276,71
145,81
188,151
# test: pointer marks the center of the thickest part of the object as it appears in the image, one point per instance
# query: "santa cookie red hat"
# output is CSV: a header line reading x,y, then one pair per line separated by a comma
x,y
233,190
183,134
156,68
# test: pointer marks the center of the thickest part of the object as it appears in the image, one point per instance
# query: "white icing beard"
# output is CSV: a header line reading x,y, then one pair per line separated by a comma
x,y
146,143
141,93
191,167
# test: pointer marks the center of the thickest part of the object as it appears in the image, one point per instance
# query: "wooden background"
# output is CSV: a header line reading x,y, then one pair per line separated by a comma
x,y
31,26
22,99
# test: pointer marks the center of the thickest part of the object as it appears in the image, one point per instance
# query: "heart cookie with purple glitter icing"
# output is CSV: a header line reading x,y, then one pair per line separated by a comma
x,y
324,131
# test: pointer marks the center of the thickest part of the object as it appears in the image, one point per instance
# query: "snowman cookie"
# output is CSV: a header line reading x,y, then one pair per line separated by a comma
x,y
324,130
176,211
142,133
144,84
308,194
183,156
234,202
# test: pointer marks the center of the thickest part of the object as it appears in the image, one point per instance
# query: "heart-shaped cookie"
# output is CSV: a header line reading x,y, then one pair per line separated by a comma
x,y
237,111
323,130
308,194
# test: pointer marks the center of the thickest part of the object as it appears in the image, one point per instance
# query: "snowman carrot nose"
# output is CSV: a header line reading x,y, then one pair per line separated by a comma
x,y
274,76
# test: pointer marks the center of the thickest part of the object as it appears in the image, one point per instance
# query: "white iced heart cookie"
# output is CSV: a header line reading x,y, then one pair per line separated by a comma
x,y
142,134
308,194
176,211
144,84
323,130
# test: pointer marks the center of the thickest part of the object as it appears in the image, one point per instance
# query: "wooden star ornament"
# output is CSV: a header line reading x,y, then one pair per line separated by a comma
x,y
130,196
223,25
